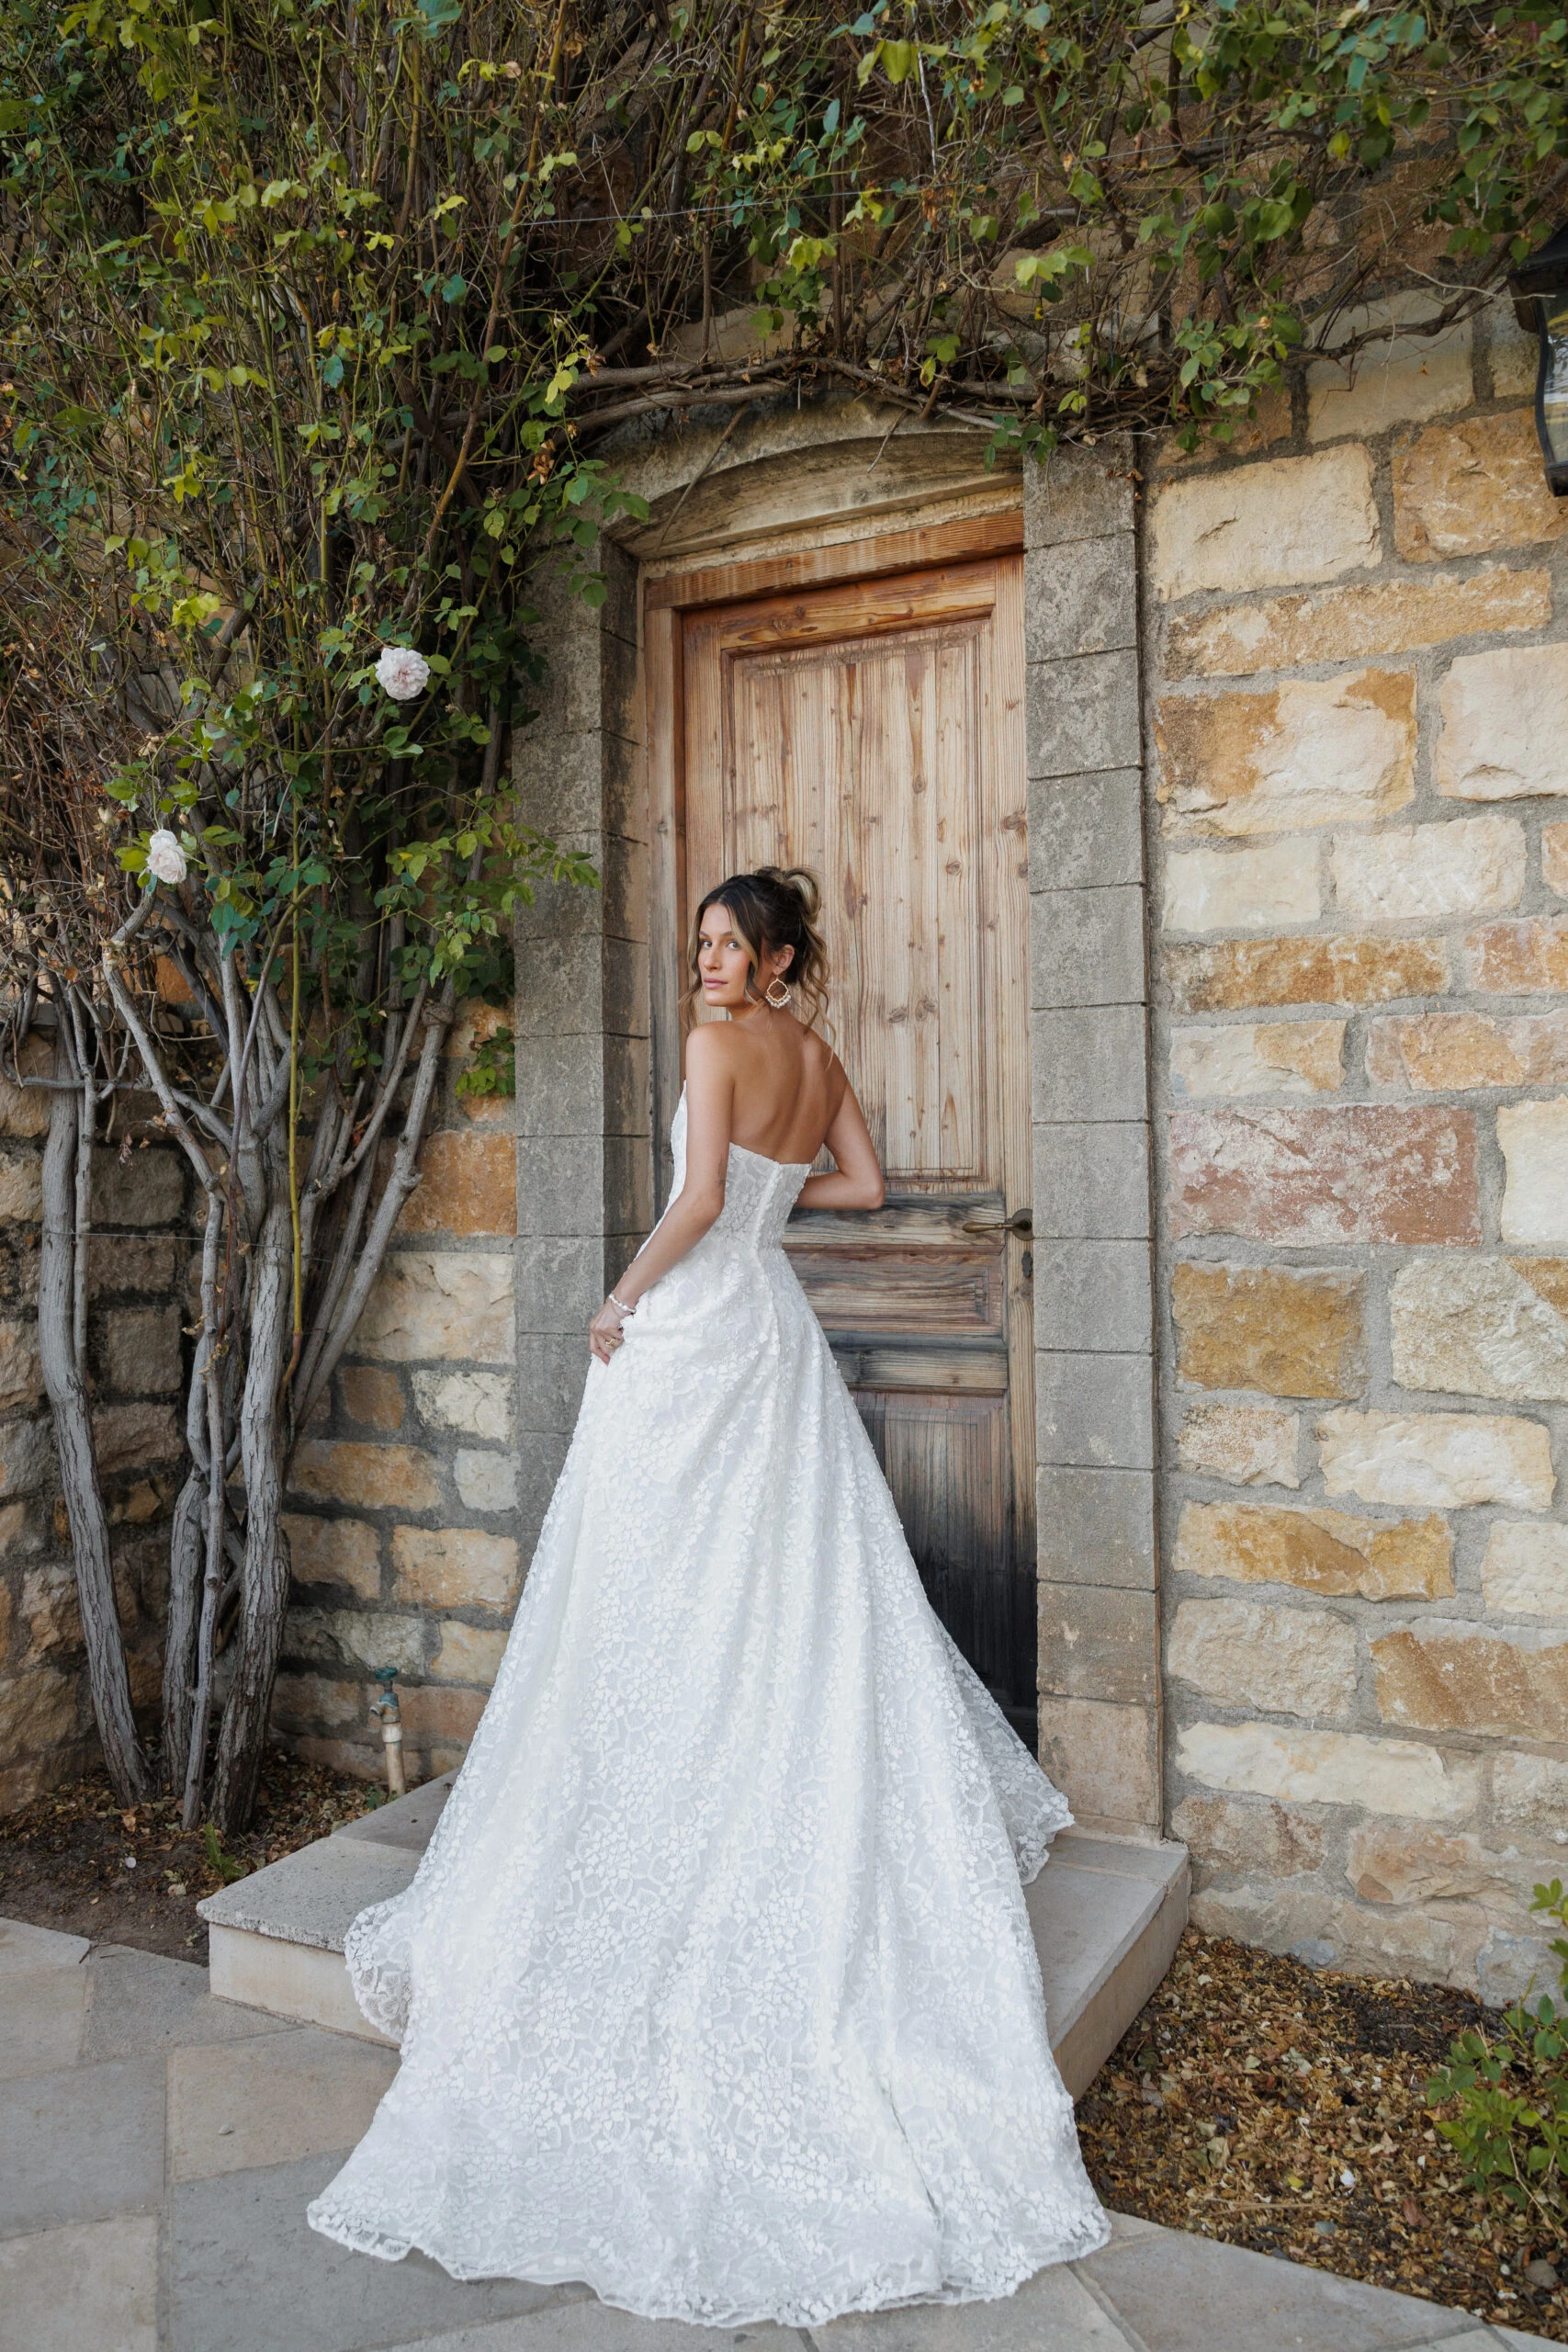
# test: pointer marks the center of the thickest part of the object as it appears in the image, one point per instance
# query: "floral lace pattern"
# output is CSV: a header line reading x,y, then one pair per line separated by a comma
x,y
716,1987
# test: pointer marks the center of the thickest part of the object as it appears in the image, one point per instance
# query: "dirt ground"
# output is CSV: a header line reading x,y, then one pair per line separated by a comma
x,y
74,1861
1282,2108
1254,2101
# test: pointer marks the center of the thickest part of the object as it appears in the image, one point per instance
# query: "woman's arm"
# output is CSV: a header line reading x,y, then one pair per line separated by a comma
x,y
856,1182
710,1109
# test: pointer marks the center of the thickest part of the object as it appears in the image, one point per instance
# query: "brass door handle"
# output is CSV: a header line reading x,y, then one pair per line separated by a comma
x,y
1023,1222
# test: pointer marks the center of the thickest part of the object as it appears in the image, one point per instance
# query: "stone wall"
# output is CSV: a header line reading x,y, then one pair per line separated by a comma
x,y
141,1261
1357,704
404,1521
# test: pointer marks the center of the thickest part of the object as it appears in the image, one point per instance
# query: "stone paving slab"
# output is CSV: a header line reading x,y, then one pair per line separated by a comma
x,y
91,2286
247,2274
42,2015
154,2200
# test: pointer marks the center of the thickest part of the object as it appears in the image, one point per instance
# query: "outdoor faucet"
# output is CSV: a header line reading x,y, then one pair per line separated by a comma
x,y
387,1707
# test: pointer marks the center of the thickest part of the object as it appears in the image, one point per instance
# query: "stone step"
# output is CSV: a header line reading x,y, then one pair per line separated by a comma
x,y
1106,1915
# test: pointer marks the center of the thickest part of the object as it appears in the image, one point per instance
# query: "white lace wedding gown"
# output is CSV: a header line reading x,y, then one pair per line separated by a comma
x,y
716,1987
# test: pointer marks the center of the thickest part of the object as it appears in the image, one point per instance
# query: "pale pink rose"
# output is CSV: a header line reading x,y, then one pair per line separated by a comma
x,y
402,672
166,858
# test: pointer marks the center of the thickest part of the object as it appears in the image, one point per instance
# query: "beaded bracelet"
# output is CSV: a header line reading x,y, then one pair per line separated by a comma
x,y
620,1307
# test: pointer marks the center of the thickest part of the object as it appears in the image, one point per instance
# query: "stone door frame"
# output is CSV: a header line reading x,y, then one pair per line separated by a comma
x,y
598,979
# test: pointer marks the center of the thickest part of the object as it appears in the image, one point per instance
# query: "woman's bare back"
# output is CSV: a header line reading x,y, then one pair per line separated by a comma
x,y
788,1086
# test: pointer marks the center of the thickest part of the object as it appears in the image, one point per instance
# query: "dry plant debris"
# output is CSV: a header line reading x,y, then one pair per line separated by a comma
x,y
1282,2108
75,1859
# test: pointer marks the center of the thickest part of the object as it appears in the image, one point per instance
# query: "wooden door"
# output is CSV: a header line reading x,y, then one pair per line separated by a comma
x,y
874,732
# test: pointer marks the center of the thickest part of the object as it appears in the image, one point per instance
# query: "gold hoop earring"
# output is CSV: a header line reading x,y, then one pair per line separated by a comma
x,y
778,1002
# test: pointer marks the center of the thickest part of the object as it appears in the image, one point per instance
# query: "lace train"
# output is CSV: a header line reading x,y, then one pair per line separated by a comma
x,y
716,1988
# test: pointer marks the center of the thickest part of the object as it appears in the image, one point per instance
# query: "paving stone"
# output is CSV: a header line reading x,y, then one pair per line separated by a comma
x,y
23,1946
1187,2294
83,2146
138,2002
40,2020
1053,2312
585,2325
247,2274
272,2100
92,2283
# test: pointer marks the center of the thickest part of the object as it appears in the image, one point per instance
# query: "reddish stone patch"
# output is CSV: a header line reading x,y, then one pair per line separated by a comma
x,y
1360,1173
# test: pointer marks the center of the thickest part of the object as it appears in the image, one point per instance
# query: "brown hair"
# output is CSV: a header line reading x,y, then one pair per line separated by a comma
x,y
776,907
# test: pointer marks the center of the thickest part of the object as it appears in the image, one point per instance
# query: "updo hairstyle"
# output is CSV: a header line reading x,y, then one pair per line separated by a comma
x,y
771,909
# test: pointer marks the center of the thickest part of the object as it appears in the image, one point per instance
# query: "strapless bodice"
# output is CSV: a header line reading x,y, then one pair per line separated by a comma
x,y
759,1192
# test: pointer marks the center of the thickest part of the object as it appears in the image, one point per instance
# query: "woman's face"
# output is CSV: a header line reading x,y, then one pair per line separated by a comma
x,y
724,960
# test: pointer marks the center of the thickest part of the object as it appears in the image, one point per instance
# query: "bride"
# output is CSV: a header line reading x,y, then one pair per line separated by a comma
x,y
716,1988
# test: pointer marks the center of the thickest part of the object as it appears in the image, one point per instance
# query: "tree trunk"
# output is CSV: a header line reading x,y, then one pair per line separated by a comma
x,y
265,1589
107,1674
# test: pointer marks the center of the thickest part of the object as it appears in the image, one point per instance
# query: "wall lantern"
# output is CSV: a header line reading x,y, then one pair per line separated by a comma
x,y
1539,287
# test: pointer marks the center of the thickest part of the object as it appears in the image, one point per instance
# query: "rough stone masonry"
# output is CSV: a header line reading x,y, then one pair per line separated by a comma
x,y
1356,694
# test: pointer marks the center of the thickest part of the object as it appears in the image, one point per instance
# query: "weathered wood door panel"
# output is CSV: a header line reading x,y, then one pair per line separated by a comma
x,y
874,732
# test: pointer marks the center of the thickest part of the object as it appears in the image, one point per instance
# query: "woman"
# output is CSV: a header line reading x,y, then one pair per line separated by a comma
x,y
716,1987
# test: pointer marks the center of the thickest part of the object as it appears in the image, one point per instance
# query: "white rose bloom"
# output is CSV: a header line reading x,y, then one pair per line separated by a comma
x,y
402,672
166,858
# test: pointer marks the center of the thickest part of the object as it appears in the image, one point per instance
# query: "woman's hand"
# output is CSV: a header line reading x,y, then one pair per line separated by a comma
x,y
606,1333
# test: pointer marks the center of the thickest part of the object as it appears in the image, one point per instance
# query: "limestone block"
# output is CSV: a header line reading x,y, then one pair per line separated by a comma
x,y
22,1374
1554,858
1306,1178
21,1188
367,1637
129,1437
438,1304
1404,380
1529,1796
1446,1461
1411,873
1534,1141
1525,1573
1291,1333
441,1717
1328,1552
1301,1919
1442,1052
142,1350
1459,1676
367,1477
1272,526
24,1110
1505,716
1266,1058
475,1025
1245,1654
468,1184
1235,975
38,1709
1235,1834
1466,489
148,1188
1307,751
153,1263
1354,623
475,1404
334,1551
1514,356
1386,1862
51,1609
1247,1445
1105,1758
1514,958
26,1456
469,1653
1478,1327
1248,889
455,1567
307,1702
1398,1776
373,1398
486,1481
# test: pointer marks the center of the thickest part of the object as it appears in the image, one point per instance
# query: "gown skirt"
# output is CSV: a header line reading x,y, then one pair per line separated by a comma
x,y
715,1987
